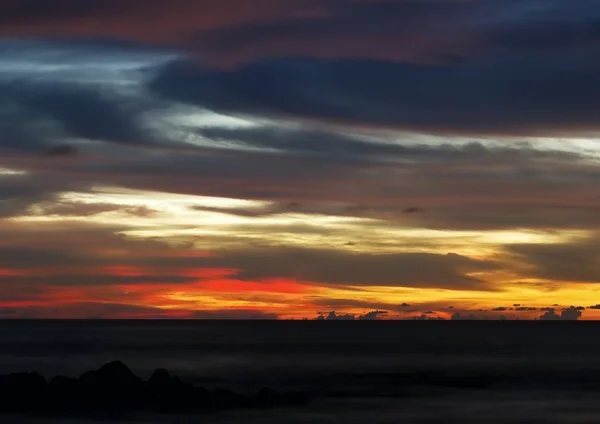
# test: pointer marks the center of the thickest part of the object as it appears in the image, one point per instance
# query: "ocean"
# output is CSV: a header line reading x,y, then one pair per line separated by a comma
x,y
366,371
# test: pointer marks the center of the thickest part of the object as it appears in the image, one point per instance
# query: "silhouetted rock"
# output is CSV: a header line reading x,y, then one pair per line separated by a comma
x,y
116,373
160,378
114,388
21,391
267,398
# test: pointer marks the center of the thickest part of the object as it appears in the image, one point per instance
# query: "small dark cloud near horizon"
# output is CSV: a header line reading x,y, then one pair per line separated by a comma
x,y
413,210
569,314
367,316
594,307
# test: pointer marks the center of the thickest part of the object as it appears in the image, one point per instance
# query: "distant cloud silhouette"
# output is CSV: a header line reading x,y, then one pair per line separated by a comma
x,y
413,210
373,315
332,316
500,309
458,317
569,314
424,317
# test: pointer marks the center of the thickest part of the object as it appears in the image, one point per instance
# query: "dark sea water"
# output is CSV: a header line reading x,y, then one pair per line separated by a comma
x,y
361,372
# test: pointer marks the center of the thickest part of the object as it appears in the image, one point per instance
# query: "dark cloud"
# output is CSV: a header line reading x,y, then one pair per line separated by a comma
x,y
348,268
333,316
227,32
500,308
468,98
371,316
569,314
575,261
86,310
460,317
350,303
424,317
234,314
525,308
38,112
594,307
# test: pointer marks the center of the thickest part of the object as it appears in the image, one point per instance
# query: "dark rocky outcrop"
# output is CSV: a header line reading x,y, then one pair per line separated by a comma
x,y
114,388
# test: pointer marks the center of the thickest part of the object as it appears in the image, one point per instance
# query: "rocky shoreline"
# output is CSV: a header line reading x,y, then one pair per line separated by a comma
x,y
115,388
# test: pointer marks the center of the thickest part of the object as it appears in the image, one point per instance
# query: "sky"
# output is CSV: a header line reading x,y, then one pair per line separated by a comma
x,y
320,159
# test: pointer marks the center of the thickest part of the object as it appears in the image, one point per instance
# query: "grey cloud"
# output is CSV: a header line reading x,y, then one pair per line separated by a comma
x,y
333,316
459,317
576,261
48,111
569,314
234,314
372,315
84,310
346,268
443,99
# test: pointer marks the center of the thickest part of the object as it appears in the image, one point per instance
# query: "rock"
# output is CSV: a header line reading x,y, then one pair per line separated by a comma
x,y
21,391
113,388
116,373
160,378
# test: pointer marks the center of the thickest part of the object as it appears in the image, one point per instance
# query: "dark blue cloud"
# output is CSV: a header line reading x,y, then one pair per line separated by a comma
x,y
530,95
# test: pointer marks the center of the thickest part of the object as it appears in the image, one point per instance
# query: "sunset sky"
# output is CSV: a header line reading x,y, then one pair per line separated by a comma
x,y
385,159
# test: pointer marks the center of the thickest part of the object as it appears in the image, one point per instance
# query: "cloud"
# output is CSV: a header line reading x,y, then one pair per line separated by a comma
x,y
371,316
332,316
332,267
500,308
400,95
574,261
569,314
38,112
235,314
229,32
89,310
594,307
459,317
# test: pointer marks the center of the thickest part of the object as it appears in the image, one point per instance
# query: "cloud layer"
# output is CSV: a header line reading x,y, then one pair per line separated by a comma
x,y
237,159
